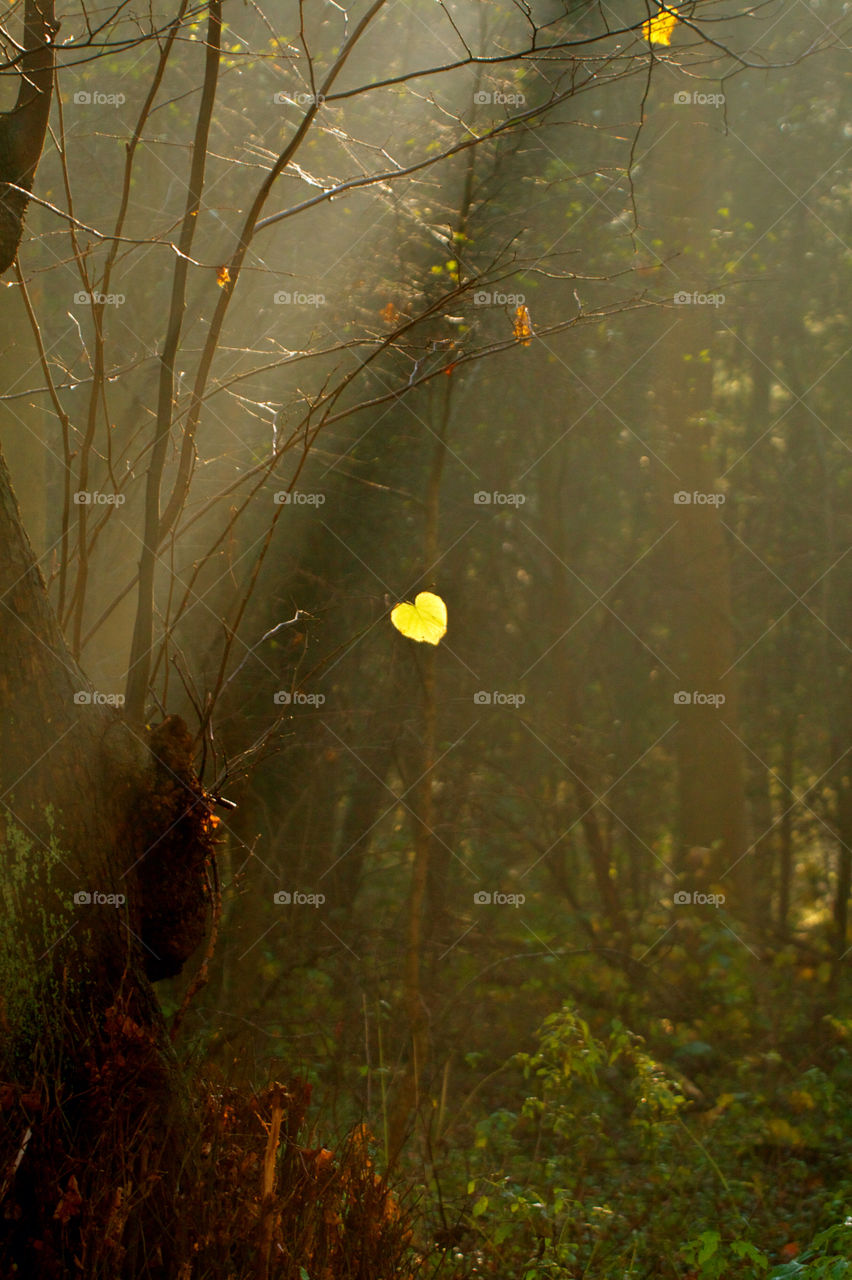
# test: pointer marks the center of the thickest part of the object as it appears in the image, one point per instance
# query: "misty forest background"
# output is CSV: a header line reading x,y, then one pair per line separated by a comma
x,y
566,951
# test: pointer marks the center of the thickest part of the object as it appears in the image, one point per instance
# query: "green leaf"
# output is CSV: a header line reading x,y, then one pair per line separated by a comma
x,y
745,1249
709,1245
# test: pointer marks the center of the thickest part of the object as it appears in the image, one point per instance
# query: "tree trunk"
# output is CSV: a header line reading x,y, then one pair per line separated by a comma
x,y
415,1072
711,783
23,128
713,828
105,839
785,873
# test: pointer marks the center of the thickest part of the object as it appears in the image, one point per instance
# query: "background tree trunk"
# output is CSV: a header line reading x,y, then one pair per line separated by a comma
x,y
713,827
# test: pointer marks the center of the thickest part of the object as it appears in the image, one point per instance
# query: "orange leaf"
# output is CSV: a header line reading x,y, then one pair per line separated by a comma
x,y
522,326
71,1203
223,276
389,314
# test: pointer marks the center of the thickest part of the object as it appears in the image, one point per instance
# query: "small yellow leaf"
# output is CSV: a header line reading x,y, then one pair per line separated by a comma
x,y
425,620
658,30
223,276
783,1131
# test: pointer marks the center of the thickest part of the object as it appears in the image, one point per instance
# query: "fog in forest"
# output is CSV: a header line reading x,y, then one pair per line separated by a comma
x,y
517,947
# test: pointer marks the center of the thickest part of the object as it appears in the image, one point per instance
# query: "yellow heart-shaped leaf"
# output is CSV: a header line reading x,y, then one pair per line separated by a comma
x,y
425,620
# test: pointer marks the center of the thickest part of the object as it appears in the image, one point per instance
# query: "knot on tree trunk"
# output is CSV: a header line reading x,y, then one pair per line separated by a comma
x,y
13,206
171,837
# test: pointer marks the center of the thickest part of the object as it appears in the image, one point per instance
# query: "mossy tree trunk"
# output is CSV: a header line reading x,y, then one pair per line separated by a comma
x,y
105,842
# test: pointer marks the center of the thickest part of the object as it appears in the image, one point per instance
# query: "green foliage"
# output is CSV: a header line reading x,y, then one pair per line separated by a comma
x,y
581,1089
711,1259
597,1162
35,916
828,1257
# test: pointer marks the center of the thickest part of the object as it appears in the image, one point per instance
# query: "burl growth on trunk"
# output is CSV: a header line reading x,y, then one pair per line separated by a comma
x,y
171,839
